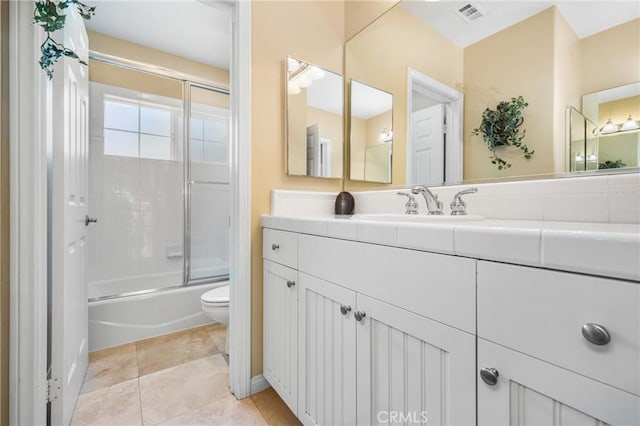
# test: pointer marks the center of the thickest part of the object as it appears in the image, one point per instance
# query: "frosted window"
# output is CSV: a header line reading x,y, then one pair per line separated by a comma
x,y
196,150
156,147
155,121
196,128
215,131
124,144
120,116
215,152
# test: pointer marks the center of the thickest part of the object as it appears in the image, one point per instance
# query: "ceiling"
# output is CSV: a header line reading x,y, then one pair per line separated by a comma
x,y
585,17
326,93
196,30
367,101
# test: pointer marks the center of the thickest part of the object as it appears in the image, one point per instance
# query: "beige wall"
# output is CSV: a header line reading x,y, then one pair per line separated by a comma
x,y
314,32
331,127
360,13
619,110
358,144
380,56
611,58
296,137
4,215
491,76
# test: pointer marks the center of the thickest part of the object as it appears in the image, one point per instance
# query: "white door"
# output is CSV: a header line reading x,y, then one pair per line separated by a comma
x,y
69,309
530,392
411,369
427,141
313,151
326,353
281,331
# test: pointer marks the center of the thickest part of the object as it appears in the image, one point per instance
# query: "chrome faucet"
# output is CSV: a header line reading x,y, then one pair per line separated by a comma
x,y
412,206
459,207
434,206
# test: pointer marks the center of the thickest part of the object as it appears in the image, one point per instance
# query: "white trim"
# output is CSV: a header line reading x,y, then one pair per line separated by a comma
x,y
454,101
240,208
258,384
28,94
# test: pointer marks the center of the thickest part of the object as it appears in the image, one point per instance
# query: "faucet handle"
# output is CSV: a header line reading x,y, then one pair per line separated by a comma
x,y
411,207
459,207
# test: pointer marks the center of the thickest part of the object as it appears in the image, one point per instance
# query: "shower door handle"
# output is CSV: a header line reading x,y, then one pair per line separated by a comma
x,y
88,220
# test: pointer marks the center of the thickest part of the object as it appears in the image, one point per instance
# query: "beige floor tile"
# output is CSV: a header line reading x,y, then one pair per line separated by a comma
x,y
110,366
182,389
273,409
167,351
218,333
227,411
114,405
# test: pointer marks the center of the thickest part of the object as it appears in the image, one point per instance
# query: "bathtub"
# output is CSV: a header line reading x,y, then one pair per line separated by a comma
x,y
120,320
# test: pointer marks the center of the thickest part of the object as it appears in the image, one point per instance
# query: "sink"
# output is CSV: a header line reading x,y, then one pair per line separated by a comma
x,y
416,218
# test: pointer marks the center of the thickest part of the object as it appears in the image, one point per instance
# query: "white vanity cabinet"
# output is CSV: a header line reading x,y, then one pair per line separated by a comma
x,y
280,314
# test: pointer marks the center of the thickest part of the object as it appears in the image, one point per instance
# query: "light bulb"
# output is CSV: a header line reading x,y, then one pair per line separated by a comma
x,y
630,124
303,81
609,128
315,73
293,89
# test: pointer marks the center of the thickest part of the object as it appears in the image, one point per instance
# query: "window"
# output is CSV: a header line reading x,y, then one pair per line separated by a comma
x,y
209,136
134,129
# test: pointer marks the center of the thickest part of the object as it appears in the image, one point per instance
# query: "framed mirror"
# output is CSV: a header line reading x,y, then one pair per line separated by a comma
x,y
475,59
371,133
314,120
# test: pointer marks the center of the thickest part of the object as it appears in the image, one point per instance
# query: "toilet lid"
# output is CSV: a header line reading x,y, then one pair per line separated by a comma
x,y
216,295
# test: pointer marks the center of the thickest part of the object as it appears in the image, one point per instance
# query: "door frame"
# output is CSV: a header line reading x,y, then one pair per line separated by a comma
x,y
29,132
454,104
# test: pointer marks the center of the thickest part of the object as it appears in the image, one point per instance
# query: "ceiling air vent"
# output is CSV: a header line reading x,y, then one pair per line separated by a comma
x,y
470,12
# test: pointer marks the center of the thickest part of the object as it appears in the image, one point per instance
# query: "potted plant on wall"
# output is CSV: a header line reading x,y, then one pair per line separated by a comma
x,y
501,127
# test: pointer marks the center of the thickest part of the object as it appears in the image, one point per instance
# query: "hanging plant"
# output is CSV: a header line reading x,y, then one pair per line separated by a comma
x,y
501,127
50,15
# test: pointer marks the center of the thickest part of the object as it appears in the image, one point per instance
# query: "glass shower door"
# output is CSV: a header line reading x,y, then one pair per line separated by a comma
x,y
207,236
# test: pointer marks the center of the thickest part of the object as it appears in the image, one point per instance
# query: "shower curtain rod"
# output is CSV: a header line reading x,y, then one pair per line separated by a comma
x,y
155,70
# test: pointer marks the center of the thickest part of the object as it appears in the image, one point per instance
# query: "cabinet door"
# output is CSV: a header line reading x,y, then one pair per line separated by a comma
x,y
281,331
532,392
327,353
411,369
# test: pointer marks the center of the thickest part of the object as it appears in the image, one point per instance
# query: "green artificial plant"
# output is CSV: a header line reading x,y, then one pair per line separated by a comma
x,y
50,15
501,127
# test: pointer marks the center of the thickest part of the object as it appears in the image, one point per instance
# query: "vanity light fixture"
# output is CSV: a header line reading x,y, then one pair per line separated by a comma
x,y
630,124
609,127
301,75
386,135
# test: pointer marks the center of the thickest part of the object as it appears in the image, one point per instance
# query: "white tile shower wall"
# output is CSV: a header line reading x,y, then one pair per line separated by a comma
x,y
611,198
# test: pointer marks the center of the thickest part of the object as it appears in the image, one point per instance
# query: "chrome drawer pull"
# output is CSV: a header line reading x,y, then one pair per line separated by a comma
x,y
345,309
489,376
359,315
275,246
291,283
596,334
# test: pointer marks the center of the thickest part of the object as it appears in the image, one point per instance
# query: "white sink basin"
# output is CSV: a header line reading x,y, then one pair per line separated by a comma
x,y
419,218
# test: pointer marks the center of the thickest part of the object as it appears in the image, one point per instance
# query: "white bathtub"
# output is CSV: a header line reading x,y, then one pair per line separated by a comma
x,y
122,320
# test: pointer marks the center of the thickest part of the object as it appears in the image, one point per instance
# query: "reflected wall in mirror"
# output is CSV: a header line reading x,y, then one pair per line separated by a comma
x,y
550,53
371,133
616,112
314,120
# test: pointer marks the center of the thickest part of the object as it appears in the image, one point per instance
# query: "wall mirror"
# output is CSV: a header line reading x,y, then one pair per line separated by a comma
x,y
314,120
446,63
371,133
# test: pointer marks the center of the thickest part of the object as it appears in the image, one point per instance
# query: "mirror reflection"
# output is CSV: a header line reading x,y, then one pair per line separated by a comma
x,y
519,65
371,133
314,128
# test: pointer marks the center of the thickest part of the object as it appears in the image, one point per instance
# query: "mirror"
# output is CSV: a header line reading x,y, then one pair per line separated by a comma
x,y
465,58
616,112
371,133
314,120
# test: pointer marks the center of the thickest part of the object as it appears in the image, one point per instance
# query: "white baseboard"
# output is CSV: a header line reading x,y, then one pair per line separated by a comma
x,y
259,383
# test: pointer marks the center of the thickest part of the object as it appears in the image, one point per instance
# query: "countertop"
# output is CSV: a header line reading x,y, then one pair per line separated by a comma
x,y
602,249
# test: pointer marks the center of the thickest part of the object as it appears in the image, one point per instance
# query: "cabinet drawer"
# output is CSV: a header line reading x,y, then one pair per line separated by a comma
x,y
541,313
280,247
436,286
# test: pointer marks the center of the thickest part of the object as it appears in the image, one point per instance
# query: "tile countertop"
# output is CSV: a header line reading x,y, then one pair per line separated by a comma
x,y
609,250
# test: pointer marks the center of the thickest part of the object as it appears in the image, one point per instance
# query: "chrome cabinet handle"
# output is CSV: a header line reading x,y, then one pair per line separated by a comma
x,y
275,246
290,283
345,309
596,334
88,220
489,376
359,315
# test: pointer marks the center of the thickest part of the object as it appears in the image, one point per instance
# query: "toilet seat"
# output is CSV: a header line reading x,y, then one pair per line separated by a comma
x,y
218,296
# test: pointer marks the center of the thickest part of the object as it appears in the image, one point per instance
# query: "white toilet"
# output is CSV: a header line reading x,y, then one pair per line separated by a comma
x,y
215,305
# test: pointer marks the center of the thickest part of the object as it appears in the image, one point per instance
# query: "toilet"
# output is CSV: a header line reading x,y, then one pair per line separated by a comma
x,y
215,305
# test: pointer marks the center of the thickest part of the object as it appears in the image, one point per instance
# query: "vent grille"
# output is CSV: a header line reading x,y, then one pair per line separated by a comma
x,y
470,12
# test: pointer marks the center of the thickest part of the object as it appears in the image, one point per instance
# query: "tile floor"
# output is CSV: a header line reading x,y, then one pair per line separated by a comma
x,y
176,379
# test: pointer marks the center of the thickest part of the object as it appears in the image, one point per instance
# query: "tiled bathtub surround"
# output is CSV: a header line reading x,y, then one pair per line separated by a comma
x,y
611,198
